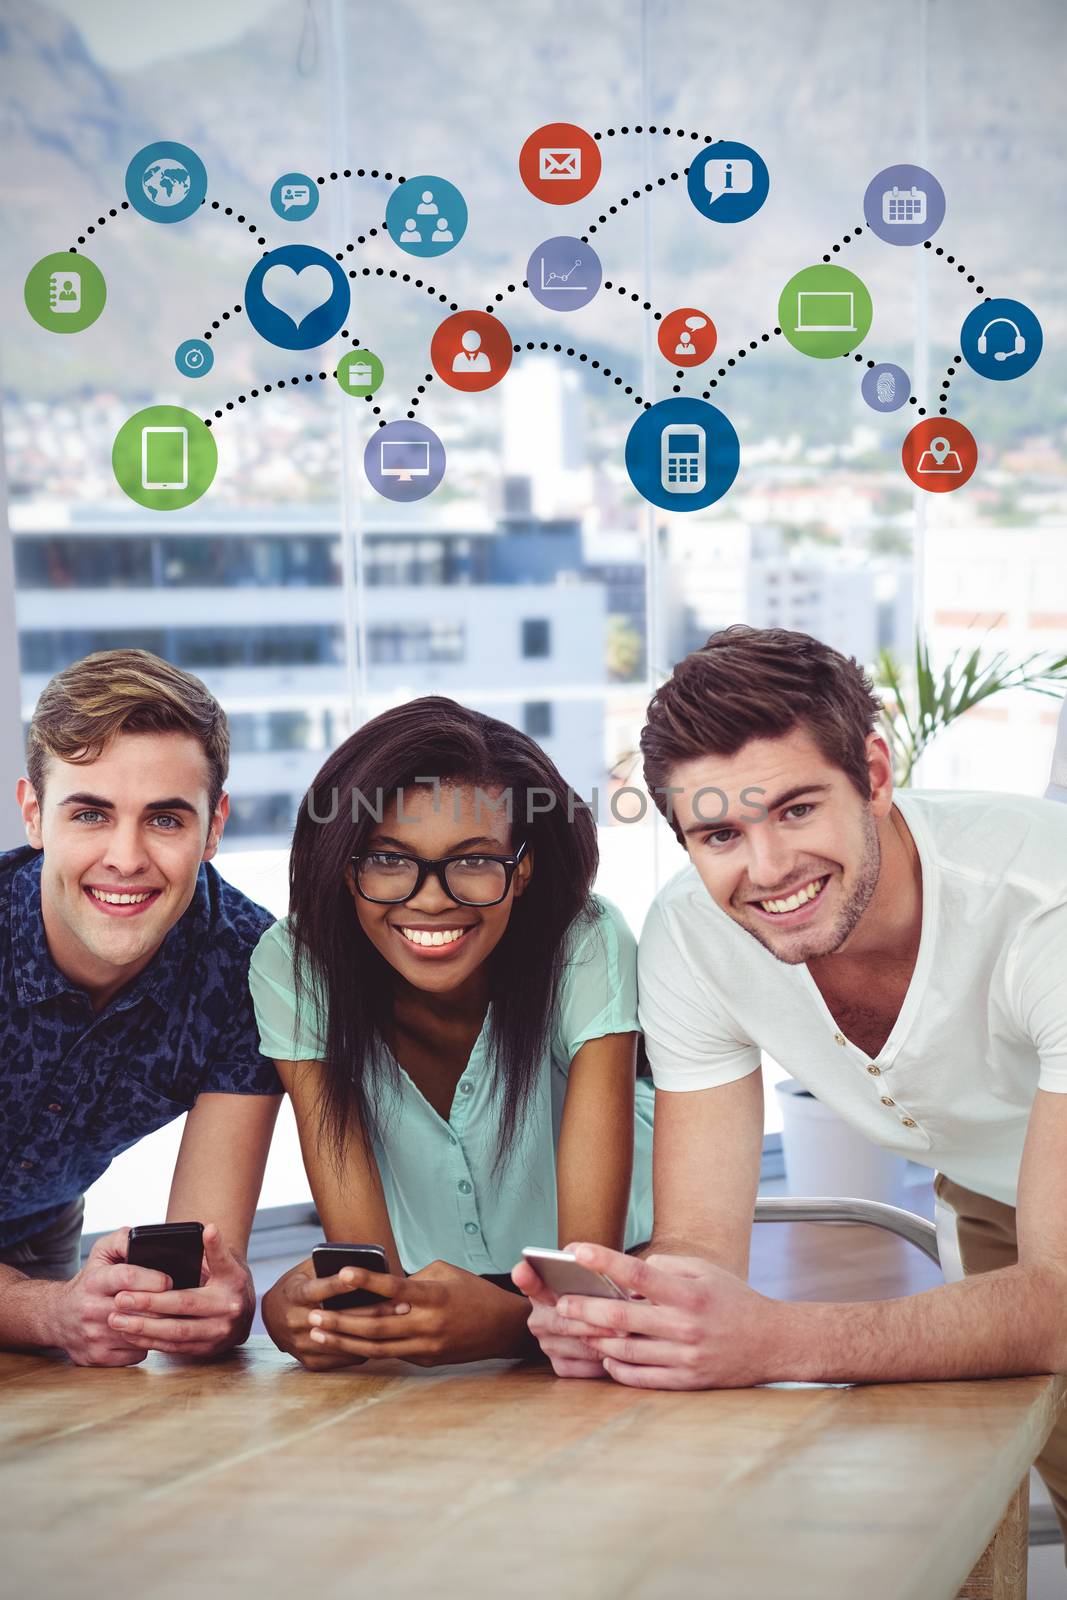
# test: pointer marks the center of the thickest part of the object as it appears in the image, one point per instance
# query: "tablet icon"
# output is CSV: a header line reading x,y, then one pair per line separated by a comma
x,y
164,458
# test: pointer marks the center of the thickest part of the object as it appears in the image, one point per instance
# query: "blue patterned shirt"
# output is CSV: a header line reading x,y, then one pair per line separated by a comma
x,y
76,1087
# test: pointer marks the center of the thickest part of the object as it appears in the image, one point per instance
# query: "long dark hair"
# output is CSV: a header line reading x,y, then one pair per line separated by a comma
x,y
347,981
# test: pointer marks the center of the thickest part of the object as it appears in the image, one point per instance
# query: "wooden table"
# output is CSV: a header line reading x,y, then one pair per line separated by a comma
x,y
255,1478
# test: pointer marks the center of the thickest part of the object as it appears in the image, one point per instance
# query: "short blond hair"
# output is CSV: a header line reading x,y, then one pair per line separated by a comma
x,y
84,707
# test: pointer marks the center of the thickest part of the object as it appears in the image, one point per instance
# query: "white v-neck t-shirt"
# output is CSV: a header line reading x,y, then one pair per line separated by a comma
x,y
983,1025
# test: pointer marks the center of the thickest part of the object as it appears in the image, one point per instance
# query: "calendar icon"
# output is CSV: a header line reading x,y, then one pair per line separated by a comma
x,y
904,205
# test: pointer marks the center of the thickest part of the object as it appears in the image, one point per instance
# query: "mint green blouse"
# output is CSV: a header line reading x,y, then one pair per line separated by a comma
x,y
445,1201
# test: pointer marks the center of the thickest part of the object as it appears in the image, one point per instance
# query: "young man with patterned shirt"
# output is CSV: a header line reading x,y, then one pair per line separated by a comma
x,y
123,1004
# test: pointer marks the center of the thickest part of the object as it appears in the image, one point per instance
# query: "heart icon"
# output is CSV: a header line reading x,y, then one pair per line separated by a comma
x,y
297,292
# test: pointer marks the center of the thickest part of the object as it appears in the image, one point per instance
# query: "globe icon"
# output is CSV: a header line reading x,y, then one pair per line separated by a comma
x,y
165,182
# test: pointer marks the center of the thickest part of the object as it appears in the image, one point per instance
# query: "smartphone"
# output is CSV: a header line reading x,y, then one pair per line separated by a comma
x,y
328,1259
559,1271
682,458
176,1248
164,458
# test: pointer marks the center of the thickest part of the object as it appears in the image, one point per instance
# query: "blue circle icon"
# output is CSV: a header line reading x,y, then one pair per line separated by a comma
x,y
404,461
728,182
563,273
426,216
1001,339
194,358
904,204
294,197
297,297
166,182
886,387
682,454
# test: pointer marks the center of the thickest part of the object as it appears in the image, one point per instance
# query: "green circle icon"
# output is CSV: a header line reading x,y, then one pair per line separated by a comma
x,y
65,292
825,311
164,458
359,372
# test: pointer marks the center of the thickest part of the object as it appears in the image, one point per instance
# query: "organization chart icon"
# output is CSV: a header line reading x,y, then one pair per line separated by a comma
x,y
166,182
297,297
426,216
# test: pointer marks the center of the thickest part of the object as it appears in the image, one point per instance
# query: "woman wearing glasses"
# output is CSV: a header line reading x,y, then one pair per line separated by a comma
x,y
453,1014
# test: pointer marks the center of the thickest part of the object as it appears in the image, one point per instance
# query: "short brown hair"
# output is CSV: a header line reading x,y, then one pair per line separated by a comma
x,y
110,692
758,683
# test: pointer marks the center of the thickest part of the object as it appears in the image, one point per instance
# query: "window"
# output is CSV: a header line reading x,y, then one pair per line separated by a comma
x,y
533,585
537,719
535,637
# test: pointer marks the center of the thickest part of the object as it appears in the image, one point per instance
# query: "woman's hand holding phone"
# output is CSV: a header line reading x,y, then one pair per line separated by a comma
x,y
432,1318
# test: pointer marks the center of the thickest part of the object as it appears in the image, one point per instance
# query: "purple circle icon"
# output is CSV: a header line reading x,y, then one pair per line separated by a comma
x,y
404,461
904,205
886,387
563,273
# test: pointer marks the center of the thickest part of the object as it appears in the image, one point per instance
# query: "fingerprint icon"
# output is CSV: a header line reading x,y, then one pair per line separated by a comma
x,y
886,388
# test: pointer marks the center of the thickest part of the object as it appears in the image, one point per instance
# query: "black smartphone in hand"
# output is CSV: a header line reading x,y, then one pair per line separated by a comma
x,y
328,1259
176,1248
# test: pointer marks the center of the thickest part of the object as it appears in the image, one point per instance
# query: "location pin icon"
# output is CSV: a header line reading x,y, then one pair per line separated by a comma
x,y
939,449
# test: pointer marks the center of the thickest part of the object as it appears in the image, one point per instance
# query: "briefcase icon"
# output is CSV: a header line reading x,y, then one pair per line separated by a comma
x,y
561,164
360,375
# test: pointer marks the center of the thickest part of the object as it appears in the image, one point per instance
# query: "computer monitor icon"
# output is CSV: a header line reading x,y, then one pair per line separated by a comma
x,y
826,311
405,459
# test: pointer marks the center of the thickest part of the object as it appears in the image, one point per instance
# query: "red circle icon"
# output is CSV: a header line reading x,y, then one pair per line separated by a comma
x,y
939,454
560,163
687,337
471,350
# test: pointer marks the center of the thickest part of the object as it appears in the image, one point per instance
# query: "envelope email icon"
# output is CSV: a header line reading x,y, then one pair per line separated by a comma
x,y
565,164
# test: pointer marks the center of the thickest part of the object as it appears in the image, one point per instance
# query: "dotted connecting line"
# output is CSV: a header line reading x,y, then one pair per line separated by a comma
x,y
951,261
753,344
635,194
846,239
216,205
566,350
295,381
945,381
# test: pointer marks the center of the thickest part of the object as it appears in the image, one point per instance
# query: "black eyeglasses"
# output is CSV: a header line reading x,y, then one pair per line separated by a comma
x,y
388,879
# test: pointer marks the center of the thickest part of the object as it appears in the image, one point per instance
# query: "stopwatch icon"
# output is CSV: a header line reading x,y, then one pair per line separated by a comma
x,y
193,358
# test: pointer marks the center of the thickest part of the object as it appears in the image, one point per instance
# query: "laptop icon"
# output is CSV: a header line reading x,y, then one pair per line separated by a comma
x,y
826,311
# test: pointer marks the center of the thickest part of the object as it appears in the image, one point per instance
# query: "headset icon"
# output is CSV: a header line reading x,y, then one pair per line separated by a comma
x,y
1002,355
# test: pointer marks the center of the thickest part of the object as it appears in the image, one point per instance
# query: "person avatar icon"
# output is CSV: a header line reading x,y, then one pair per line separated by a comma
x,y
472,358
411,234
67,292
685,346
427,206
442,233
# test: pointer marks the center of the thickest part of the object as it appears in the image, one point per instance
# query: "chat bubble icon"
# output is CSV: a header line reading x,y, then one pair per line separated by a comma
x,y
696,322
298,194
730,175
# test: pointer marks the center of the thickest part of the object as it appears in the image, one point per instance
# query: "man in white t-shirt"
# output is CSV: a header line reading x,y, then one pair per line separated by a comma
x,y
906,959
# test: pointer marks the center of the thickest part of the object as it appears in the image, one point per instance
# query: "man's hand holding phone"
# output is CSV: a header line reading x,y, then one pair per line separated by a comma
x,y
571,1355
203,1321
79,1322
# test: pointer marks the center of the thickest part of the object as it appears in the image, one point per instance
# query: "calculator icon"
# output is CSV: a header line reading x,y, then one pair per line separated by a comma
x,y
682,457
904,205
